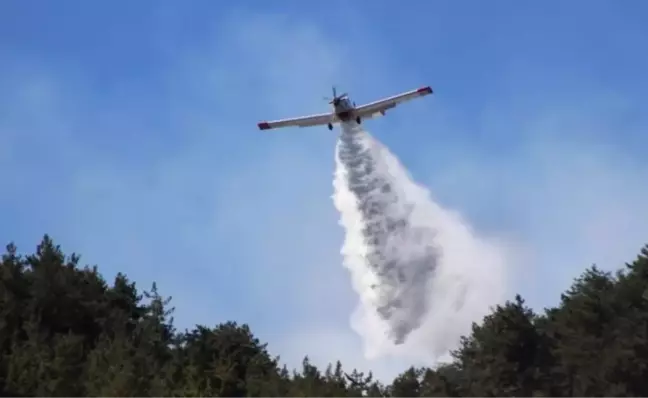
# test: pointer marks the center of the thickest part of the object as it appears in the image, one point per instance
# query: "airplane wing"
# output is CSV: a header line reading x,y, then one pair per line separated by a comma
x,y
306,121
372,108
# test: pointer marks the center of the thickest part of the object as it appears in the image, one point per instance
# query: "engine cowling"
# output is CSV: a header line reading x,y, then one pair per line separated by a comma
x,y
330,126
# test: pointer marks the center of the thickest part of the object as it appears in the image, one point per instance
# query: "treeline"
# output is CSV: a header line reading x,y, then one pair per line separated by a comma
x,y
64,331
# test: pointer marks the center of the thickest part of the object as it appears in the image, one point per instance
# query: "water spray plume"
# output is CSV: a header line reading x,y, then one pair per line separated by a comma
x,y
421,274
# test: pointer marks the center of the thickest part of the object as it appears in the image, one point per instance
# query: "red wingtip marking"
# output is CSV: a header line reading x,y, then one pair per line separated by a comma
x,y
264,126
425,90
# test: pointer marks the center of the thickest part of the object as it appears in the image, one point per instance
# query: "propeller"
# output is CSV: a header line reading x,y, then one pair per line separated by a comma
x,y
336,97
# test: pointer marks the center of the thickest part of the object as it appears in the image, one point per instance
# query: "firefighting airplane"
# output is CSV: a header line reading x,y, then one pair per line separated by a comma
x,y
344,110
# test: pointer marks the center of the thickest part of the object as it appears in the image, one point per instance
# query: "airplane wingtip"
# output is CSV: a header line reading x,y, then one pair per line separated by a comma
x,y
264,126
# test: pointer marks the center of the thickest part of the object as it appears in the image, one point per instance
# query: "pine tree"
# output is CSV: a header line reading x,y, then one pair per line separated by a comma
x,y
64,331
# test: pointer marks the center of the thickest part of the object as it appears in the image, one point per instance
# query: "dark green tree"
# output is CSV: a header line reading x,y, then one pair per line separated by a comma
x,y
64,331
502,356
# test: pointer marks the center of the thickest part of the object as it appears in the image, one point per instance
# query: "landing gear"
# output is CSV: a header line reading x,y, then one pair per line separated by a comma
x,y
330,126
358,120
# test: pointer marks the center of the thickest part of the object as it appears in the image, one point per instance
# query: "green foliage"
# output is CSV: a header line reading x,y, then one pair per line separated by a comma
x,y
64,331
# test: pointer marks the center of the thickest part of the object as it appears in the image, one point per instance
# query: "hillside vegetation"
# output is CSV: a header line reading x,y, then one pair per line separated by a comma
x,y
65,331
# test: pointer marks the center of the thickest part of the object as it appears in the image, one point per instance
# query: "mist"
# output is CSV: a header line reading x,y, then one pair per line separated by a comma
x,y
421,273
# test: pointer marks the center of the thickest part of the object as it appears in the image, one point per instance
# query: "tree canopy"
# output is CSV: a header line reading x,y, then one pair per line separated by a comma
x,y
66,331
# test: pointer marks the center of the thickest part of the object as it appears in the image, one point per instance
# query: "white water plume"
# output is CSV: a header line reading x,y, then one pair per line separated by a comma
x,y
421,274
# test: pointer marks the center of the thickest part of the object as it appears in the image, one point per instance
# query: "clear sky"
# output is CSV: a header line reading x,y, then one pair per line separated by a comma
x,y
128,132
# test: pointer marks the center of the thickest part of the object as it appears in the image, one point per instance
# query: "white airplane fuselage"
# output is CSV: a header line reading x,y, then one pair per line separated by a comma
x,y
343,109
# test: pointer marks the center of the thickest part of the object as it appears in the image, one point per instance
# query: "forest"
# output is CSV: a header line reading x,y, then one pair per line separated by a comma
x,y
66,331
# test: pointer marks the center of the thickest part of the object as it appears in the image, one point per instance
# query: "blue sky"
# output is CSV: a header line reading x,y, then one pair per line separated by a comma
x,y
128,132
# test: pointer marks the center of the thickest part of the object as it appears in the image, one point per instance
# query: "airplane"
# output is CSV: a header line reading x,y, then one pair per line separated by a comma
x,y
344,110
